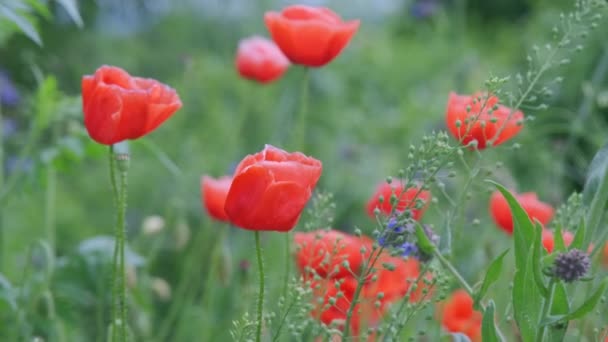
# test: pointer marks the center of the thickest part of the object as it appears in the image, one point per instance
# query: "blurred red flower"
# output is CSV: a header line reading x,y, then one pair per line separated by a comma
x,y
260,59
310,36
214,192
605,255
549,241
457,315
501,213
270,189
324,252
406,199
479,117
118,106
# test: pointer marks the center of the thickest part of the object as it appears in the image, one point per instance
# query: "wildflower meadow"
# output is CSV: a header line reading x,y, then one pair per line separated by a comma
x,y
396,170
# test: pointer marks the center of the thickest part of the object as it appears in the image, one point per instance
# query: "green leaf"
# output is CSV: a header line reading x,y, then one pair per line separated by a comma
x,y
590,303
523,230
492,275
579,237
527,299
559,307
24,24
424,243
488,326
558,240
582,310
536,267
595,192
47,97
72,9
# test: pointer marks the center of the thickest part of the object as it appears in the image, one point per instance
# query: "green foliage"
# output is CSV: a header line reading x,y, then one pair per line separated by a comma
x,y
491,276
488,326
377,109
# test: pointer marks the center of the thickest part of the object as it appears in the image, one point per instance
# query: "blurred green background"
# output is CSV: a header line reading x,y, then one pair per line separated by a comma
x,y
386,90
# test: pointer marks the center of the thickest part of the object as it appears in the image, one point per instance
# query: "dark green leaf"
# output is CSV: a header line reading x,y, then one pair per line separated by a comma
x,y
492,275
24,24
488,326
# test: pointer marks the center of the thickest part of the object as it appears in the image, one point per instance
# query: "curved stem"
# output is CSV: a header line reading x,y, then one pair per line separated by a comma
x,y
447,264
258,249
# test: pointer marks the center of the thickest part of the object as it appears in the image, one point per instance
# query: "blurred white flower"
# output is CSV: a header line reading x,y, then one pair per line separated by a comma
x,y
152,225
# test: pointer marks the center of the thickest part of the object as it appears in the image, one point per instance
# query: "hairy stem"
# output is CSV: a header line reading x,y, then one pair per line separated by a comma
x,y
260,308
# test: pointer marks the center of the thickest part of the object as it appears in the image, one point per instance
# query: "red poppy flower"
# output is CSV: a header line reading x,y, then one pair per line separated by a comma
x,y
395,283
481,118
501,213
407,200
458,316
324,252
310,36
270,189
260,59
605,255
549,242
214,192
118,106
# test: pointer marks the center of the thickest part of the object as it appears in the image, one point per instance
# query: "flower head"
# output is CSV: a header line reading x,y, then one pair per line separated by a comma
x,y
414,199
458,315
536,210
310,36
571,265
480,118
330,253
270,189
259,59
214,193
118,106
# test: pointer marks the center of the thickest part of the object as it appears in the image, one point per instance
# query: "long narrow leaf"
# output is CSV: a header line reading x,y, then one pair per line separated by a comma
x,y
492,275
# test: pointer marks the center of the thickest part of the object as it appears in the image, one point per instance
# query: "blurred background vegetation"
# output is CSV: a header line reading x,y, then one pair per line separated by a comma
x,y
384,92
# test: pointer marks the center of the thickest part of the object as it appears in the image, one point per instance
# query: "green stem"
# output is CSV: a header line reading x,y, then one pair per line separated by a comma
x,y
1,190
122,208
299,135
287,264
119,286
546,310
367,270
448,265
258,249
49,208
